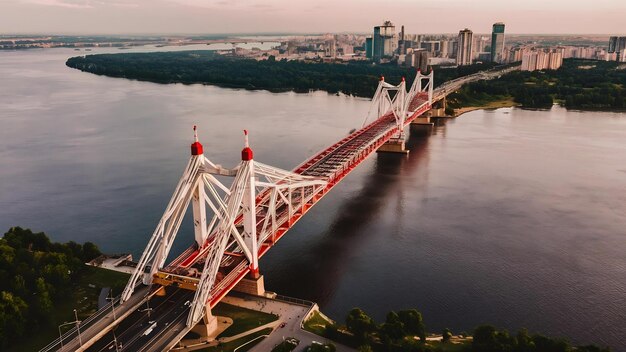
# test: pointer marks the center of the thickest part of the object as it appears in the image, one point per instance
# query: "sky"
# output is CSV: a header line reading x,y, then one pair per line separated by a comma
x,y
308,16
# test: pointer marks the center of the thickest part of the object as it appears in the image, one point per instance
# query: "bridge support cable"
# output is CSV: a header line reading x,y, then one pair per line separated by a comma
x,y
421,89
382,102
192,188
281,192
396,100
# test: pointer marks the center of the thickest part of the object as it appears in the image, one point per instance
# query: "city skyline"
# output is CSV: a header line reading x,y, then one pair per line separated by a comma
x,y
280,16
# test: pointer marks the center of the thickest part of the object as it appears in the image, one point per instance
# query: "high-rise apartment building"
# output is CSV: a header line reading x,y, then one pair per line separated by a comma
x,y
515,55
369,48
612,44
401,42
617,45
384,41
330,48
551,59
417,58
497,43
465,52
620,48
432,46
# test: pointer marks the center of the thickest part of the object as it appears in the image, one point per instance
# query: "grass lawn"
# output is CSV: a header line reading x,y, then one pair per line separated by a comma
x,y
230,346
84,300
243,319
316,324
286,346
450,347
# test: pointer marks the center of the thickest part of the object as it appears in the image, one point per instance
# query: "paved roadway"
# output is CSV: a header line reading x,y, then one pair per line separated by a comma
x,y
455,84
150,328
291,314
96,323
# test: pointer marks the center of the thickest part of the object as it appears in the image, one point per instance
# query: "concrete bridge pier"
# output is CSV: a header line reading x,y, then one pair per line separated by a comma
x,y
425,123
252,284
394,145
207,327
422,124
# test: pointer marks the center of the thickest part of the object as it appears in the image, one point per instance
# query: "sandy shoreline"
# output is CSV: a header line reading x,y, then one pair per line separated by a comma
x,y
493,105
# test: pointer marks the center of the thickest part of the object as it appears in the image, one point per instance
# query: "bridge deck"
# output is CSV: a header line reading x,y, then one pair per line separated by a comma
x,y
332,164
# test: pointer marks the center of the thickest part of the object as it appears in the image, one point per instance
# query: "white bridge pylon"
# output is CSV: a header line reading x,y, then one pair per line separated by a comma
x,y
400,104
278,194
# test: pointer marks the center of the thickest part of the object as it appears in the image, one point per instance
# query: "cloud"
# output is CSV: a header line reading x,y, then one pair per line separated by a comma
x,y
231,4
62,3
82,4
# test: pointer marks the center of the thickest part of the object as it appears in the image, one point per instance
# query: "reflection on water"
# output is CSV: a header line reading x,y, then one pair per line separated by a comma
x,y
510,217
322,264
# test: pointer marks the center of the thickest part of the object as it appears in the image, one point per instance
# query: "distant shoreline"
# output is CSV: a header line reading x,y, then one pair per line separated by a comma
x,y
506,103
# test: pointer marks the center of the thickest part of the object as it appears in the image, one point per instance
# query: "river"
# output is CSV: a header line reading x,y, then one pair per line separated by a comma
x,y
511,217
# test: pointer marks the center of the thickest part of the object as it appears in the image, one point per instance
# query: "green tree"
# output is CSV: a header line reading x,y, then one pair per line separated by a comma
x,y
35,274
360,324
524,342
484,338
393,326
365,348
13,312
446,335
547,344
90,251
413,323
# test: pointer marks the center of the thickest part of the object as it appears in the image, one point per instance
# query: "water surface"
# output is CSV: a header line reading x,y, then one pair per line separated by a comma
x,y
510,217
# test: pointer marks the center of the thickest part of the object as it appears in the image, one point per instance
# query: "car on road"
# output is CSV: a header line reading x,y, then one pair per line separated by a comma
x,y
149,330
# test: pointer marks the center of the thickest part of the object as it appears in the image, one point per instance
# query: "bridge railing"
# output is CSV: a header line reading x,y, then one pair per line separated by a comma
x,y
85,324
302,302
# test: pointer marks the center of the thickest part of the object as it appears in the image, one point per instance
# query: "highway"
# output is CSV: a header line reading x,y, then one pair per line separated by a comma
x,y
152,327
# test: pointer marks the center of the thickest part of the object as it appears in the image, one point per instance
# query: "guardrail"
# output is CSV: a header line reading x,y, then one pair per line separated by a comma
x,y
302,302
85,324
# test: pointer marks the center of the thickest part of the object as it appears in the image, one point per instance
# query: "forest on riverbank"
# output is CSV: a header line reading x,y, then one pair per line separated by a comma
x,y
207,67
41,282
405,331
578,84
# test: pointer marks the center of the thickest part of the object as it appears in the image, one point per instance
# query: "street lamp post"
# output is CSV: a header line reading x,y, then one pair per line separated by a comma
x,y
112,303
62,325
117,347
80,341
148,309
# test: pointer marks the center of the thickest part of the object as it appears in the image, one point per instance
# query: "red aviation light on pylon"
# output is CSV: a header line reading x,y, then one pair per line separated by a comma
x,y
246,153
196,147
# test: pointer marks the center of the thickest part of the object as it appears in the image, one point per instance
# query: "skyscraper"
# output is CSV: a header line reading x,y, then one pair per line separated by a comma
x,y
465,52
497,43
612,44
417,58
383,41
620,48
401,42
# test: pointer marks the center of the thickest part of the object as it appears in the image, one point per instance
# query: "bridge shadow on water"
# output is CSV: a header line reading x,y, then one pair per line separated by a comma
x,y
317,274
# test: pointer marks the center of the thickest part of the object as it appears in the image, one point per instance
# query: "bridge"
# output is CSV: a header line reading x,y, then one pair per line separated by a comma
x,y
236,224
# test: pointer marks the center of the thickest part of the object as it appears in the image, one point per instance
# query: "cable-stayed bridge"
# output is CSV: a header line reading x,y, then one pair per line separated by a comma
x,y
236,224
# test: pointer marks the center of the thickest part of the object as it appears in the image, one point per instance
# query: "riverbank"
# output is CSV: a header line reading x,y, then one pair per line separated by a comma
x,y
358,79
579,85
505,103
